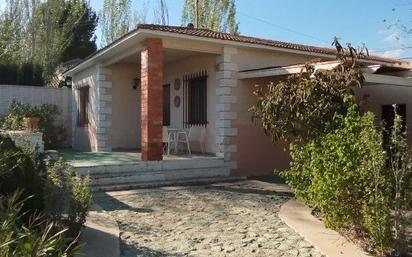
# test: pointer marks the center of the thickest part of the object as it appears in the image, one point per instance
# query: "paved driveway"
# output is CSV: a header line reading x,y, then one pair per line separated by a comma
x,y
227,219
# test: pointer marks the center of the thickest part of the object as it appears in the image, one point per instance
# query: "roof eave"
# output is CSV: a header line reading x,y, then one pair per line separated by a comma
x,y
148,32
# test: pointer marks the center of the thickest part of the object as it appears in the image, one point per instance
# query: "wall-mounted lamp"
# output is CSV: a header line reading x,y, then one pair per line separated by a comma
x,y
136,83
68,82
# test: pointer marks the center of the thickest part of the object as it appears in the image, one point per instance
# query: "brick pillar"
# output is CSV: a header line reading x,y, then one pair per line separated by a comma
x,y
152,99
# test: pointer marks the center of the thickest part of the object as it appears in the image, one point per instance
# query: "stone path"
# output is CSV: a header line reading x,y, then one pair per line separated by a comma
x,y
230,219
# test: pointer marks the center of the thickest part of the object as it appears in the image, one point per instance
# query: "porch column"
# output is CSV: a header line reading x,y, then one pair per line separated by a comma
x,y
103,109
226,112
152,99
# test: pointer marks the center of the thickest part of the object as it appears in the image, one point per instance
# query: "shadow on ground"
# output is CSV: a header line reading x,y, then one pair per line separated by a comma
x,y
132,250
113,204
249,191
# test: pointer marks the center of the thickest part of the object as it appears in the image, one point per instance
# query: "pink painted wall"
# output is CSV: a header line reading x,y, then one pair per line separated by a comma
x,y
256,154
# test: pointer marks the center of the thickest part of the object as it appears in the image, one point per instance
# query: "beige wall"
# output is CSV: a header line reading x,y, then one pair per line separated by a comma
x,y
34,95
125,132
377,95
84,138
178,69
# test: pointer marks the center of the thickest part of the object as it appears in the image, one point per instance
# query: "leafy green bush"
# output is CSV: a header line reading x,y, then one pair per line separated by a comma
x,y
302,106
36,238
21,170
400,170
342,173
80,201
53,135
67,193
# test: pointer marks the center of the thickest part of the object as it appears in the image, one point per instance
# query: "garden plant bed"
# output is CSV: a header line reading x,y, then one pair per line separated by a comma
x,y
226,219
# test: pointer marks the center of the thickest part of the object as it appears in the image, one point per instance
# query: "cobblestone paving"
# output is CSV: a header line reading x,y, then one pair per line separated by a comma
x,y
231,219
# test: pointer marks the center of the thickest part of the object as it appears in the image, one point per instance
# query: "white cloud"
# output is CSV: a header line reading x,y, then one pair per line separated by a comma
x,y
394,43
396,53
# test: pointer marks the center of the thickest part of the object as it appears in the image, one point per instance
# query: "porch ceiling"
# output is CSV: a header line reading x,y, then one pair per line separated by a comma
x,y
170,55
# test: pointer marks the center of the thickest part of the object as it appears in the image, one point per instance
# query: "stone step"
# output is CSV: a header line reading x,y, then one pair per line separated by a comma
x,y
167,175
145,166
178,182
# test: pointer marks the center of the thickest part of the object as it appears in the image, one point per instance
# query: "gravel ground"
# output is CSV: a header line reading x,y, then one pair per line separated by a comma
x,y
230,219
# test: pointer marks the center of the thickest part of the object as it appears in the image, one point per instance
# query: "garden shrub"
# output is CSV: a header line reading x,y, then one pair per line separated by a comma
x,y
67,194
400,171
53,135
29,185
21,170
80,200
342,173
36,238
302,106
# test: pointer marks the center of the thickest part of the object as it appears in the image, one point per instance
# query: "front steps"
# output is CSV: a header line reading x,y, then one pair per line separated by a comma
x,y
155,173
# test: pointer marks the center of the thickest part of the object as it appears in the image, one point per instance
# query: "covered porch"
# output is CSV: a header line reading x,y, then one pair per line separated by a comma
x,y
146,84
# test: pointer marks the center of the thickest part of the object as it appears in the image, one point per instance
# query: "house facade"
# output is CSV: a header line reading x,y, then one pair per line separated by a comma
x,y
182,77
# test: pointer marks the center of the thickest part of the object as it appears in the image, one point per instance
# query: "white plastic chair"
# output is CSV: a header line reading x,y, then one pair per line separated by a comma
x,y
167,140
182,136
202,138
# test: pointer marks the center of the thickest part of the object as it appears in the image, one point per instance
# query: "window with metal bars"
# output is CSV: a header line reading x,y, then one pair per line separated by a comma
x,y
195,99
83,106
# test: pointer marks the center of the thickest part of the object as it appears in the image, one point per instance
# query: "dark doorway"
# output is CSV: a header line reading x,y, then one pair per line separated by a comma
x,y
166,105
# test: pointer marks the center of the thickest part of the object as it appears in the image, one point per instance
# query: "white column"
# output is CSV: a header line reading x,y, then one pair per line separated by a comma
x,y
103,109
225,113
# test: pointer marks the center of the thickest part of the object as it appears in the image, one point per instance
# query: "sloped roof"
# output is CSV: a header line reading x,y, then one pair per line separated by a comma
x,y
254,40
210,34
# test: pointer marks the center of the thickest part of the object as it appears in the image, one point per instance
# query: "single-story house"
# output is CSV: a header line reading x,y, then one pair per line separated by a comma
x,y
185,77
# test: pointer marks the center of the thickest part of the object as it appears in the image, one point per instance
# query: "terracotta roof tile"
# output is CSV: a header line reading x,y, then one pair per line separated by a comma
x,y
253,40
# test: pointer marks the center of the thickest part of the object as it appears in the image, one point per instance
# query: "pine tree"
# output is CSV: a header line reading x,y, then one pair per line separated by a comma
x,y
83,42
217,15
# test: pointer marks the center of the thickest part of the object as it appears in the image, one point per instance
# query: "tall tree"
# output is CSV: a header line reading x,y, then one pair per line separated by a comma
x,y
117,18
83,42
45,32
12,30
161,13
218,15
55,21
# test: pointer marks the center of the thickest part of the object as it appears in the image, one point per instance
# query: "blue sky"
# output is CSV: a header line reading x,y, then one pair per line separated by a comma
x,y
316,22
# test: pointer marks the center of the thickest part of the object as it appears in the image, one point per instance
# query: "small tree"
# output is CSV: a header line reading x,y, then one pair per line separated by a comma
x,y
302,106
400,169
